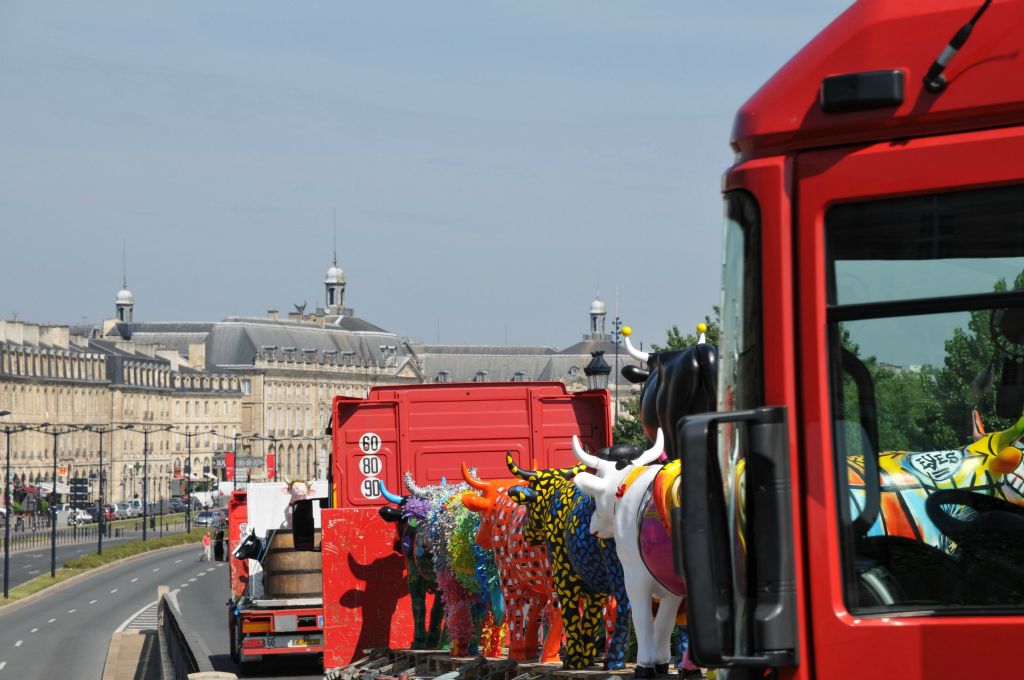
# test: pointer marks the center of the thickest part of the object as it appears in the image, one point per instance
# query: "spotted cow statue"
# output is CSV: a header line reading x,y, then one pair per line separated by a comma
x,y
409,513
524,569
585,569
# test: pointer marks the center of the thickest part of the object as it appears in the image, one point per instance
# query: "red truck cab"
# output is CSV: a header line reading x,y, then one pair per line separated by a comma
x,y
873,259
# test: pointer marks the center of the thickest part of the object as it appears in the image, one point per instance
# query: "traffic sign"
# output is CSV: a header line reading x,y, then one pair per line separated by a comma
x,y
247,462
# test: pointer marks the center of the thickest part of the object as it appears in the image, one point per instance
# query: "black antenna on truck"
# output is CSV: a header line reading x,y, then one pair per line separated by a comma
x,y
934,81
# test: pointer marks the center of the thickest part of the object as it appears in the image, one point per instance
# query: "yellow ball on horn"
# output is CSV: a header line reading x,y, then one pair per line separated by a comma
x,y
626,330
702,328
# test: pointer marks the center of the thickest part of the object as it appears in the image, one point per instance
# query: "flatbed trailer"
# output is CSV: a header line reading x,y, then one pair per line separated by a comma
x,y
261,626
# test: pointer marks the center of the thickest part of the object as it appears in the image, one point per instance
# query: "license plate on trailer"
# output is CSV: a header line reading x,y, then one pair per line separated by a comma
x,y
304,642
268,642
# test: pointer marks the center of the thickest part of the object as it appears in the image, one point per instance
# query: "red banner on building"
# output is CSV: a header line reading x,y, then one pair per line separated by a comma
x,y
229,463
270,466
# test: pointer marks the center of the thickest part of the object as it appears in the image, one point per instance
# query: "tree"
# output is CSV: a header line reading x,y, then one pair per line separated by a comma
x,y
676,340
629,430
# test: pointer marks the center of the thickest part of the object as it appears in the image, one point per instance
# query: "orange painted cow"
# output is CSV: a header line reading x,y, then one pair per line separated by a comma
x,y
524,569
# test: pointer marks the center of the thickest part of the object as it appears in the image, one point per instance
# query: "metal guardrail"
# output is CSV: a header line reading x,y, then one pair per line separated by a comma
x,y
87,534
183,654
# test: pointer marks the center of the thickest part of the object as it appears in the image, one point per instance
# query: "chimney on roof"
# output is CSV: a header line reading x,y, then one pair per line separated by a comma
x,y
272,314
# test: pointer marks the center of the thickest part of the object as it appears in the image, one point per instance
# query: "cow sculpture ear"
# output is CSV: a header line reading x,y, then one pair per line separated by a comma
x,y
590,484
523,495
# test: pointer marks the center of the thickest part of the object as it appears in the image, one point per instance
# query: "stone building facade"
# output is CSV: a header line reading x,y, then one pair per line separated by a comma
x,y
51,376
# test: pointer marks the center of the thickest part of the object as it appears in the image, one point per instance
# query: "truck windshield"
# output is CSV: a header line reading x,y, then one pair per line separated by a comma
x,y
926,346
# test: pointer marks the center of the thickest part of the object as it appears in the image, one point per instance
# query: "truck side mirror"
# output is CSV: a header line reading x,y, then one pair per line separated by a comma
x,y
702,538
303,524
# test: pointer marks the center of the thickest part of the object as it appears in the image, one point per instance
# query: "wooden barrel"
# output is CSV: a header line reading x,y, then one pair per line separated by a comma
x,y
289,573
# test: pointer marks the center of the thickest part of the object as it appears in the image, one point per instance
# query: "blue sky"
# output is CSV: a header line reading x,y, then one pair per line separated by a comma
x,y
491,164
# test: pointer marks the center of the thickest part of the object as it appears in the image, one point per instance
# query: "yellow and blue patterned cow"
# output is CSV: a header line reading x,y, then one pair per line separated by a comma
x,y
585,569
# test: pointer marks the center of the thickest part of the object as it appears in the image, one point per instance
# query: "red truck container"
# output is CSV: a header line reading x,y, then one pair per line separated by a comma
x,y
428,430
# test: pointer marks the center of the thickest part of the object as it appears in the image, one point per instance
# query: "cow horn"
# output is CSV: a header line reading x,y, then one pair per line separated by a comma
x,y
652,454
582,456
528,475
635,353
388,496
414,488
471,479
977,426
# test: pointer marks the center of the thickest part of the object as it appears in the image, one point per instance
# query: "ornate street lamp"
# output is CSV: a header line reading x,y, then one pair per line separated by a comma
x,y
597,371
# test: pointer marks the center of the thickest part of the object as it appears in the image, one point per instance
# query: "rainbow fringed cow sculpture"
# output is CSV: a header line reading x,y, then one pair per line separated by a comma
x,y
466,575
409,515
633,503
585,569
524,569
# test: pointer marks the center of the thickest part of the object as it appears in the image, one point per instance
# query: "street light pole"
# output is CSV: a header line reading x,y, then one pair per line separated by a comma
x,y
7,507
188,484
55,432
234,464
145,479
617,324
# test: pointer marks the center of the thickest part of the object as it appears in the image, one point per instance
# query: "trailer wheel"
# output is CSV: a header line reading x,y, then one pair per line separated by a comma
x,y
235,636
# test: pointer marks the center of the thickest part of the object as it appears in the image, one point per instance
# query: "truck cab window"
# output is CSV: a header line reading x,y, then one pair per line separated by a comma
x,y
926,337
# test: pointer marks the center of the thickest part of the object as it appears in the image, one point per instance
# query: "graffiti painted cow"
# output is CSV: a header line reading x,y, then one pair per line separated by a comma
x,y
585,569
524,569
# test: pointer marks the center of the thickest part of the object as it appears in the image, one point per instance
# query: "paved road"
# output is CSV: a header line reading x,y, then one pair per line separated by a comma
x,y
203,605
66,634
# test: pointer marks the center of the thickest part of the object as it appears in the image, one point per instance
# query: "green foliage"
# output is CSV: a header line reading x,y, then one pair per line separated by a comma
x,y
629,430
930,408
676,340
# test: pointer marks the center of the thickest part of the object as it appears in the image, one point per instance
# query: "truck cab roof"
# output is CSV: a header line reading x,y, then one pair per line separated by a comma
x,y
878,35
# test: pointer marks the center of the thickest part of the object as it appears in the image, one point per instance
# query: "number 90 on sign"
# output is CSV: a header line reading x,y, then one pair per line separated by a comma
x,y
371,488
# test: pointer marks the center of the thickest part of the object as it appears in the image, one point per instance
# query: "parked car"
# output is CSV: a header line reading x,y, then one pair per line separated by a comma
x,y
109,512
78,516
135,506
123,511
210,518
93,512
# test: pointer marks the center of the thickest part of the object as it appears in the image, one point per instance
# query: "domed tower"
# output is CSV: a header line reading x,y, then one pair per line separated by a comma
x,y
334,282
597,315
125,303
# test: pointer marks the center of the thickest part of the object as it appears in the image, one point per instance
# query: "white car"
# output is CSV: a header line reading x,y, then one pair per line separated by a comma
x,y
78,516
135,506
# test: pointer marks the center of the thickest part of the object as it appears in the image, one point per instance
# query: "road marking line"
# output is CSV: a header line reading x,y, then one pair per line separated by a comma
x,y
34,572
2,664
93,601
192,580
113,591
18,643
157,569
210,569
72,611
135,579
33,630
176,561
125,623
51,620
